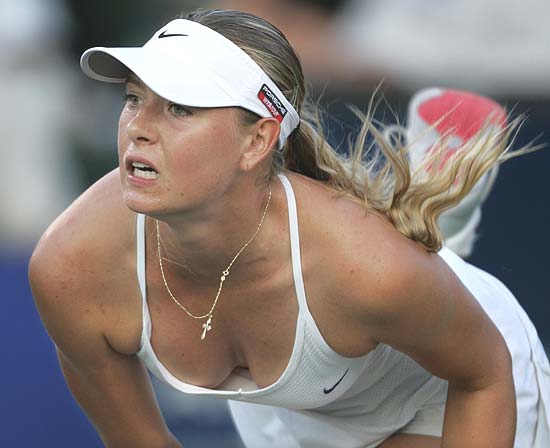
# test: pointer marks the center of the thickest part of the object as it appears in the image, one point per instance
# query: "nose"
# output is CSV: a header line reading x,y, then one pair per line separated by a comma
x,y
142,127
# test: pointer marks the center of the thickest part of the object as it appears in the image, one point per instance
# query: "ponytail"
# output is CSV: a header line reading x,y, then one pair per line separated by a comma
x,y
379,174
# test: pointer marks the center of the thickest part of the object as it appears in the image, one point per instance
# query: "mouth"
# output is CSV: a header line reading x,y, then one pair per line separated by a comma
x,y
143,171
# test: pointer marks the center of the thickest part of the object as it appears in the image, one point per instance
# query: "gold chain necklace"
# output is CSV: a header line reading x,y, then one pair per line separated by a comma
x,y
207,326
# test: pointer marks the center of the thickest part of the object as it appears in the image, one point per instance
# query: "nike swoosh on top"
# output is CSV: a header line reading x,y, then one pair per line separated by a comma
x,y
165,34
328,391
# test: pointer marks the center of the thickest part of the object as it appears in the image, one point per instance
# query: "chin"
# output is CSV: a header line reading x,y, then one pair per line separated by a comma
x,y
147,205
140,203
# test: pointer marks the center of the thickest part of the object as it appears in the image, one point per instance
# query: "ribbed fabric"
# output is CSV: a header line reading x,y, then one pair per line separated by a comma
x,y
375,395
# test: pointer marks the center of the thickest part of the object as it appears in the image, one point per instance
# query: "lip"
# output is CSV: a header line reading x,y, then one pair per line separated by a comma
x,y
138,181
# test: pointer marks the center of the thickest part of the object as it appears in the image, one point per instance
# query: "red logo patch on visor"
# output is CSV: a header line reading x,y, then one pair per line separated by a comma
x,y
273,104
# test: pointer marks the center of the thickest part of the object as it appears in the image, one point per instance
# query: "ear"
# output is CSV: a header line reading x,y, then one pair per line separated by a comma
x,y
263,137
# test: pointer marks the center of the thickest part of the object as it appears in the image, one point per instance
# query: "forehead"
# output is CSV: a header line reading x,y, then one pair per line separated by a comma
x,y
133,79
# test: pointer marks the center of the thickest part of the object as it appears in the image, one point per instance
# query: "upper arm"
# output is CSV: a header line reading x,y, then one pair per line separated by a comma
x,y
112,388
416,304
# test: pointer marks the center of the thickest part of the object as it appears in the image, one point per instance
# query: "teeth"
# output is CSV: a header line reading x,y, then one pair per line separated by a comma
x,y
144,171
145,174
140,165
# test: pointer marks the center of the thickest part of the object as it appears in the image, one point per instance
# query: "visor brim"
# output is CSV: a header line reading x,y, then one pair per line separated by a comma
x,y
182,83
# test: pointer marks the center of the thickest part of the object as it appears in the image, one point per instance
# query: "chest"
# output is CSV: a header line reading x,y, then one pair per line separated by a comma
x,y
251,328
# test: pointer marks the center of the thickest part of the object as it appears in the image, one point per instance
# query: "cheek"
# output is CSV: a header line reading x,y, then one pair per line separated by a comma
x,y
122,136
217,146
206,159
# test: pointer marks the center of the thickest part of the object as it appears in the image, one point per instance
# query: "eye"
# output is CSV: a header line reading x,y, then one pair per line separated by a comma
x,y
130,99
178,110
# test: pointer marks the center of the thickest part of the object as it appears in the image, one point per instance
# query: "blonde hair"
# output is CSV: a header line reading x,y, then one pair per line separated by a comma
x,y
378,174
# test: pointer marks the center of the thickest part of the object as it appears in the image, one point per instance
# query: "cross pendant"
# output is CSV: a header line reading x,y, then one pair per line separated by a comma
x,y
206,327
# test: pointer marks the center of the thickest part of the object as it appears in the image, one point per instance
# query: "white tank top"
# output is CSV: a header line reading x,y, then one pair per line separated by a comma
x,y
366,398
315,375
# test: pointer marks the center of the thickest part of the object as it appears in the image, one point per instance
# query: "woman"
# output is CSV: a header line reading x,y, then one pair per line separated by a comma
x,y
230,210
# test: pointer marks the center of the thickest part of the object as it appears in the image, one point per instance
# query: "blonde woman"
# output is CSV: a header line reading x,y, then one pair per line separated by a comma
x,y
235,255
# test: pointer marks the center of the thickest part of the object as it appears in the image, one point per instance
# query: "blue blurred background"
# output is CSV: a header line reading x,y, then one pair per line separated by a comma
x,y
59,135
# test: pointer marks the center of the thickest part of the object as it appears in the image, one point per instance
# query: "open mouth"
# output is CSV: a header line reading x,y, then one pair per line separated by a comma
x,y
144,171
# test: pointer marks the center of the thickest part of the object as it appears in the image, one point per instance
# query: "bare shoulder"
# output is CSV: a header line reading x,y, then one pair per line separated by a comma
x,y
358,262
95,228
96,210
82,266
349,239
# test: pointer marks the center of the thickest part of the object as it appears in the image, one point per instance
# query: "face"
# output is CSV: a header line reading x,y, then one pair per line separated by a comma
x,y
174,157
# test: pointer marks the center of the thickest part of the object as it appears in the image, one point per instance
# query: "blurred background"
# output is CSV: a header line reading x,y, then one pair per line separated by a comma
x,y
58,133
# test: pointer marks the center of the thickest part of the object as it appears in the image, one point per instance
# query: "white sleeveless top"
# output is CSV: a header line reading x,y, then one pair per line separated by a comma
x,y
315,375
368,398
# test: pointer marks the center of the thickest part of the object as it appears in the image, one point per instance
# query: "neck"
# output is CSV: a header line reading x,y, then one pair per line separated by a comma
x,y
203,243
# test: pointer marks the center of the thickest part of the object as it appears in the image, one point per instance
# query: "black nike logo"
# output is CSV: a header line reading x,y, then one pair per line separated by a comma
x,y
164,34
328,391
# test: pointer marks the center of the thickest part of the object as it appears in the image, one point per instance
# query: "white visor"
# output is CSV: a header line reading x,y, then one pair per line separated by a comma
x,y
190,64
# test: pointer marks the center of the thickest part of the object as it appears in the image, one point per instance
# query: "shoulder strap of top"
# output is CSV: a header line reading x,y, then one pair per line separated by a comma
x,y
140,271
313,335
294,242
140,252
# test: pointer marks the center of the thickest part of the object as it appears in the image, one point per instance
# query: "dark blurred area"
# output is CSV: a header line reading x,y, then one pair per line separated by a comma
x,y
59,136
